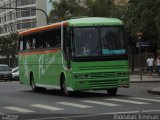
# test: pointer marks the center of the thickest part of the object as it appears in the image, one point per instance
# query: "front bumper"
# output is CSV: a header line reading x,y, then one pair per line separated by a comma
x,y
100,84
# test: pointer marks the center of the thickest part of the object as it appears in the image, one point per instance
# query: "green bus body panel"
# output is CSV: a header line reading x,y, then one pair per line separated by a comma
x,y
94,21
45,68
99,75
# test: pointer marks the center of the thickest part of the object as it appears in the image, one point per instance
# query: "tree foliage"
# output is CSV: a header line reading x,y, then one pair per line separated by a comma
x,y
9,45
65,9
99,8
143,16
138,15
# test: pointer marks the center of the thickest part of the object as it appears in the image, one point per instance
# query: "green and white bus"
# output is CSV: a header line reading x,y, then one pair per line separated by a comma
x,y
75,55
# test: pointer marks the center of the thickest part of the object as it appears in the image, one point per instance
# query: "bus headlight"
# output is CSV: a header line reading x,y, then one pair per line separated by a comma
x,y
122,74
81,76
124,84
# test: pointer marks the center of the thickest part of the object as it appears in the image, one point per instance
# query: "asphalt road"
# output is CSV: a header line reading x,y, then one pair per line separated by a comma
x,y
19,102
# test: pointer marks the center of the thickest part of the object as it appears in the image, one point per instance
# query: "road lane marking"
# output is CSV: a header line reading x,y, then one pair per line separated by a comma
x,y
92,115
157,97
46,107
86,115
74,105
100,103
146,111
128,101
147,99
17,109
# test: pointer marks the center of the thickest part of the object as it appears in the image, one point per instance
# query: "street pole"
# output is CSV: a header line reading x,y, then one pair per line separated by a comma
x,y
47,18
140,61
139,35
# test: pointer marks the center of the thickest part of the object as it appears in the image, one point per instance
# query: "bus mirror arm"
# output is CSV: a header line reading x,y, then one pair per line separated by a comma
x,y
68,58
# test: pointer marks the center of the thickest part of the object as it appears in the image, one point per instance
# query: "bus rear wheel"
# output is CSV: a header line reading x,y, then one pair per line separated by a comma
x,y
112,91
32,83
34,87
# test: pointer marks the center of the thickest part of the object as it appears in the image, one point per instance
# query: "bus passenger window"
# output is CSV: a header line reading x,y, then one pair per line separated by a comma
x,y
57,41
47,39
33,43
56,38
51,40
47,44
28,44
39,41
21,45
24,43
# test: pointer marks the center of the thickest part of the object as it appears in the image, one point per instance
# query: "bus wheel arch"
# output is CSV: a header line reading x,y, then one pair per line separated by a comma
x,y
63,85
32,82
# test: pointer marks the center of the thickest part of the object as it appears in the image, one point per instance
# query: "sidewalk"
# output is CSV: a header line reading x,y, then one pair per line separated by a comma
x,y
136,78
155,91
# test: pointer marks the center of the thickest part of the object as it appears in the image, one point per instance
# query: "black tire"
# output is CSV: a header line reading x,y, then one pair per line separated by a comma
x,y
34,87
64,87
32,83
17,78
6,80
112,92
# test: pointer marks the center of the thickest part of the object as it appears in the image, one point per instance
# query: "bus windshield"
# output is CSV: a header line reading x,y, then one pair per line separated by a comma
x,y
98,41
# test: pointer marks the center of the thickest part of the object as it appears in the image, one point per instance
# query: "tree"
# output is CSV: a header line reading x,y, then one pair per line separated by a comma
x,y
65,9
99,8
9,46
142,16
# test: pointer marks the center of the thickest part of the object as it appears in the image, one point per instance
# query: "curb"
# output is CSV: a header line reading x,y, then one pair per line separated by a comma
x,y
144,81
153,92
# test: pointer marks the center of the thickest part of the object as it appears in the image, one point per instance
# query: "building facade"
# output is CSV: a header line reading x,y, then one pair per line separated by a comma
x,y
12,20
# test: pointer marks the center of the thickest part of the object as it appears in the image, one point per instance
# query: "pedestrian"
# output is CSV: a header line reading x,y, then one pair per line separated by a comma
x,y
150,62
157,63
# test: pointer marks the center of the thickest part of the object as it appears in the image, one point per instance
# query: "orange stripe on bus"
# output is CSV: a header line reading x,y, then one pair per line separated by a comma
x,y
43,28
39,52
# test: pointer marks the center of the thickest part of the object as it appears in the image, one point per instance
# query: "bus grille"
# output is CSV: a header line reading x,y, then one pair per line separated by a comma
x,y
98,84
102,67
103,75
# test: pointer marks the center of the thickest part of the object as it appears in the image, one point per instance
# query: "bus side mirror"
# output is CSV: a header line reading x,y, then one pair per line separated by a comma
x,y
68,58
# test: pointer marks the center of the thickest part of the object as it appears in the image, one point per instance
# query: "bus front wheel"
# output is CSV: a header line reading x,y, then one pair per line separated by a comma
x,y
64,86
112,92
